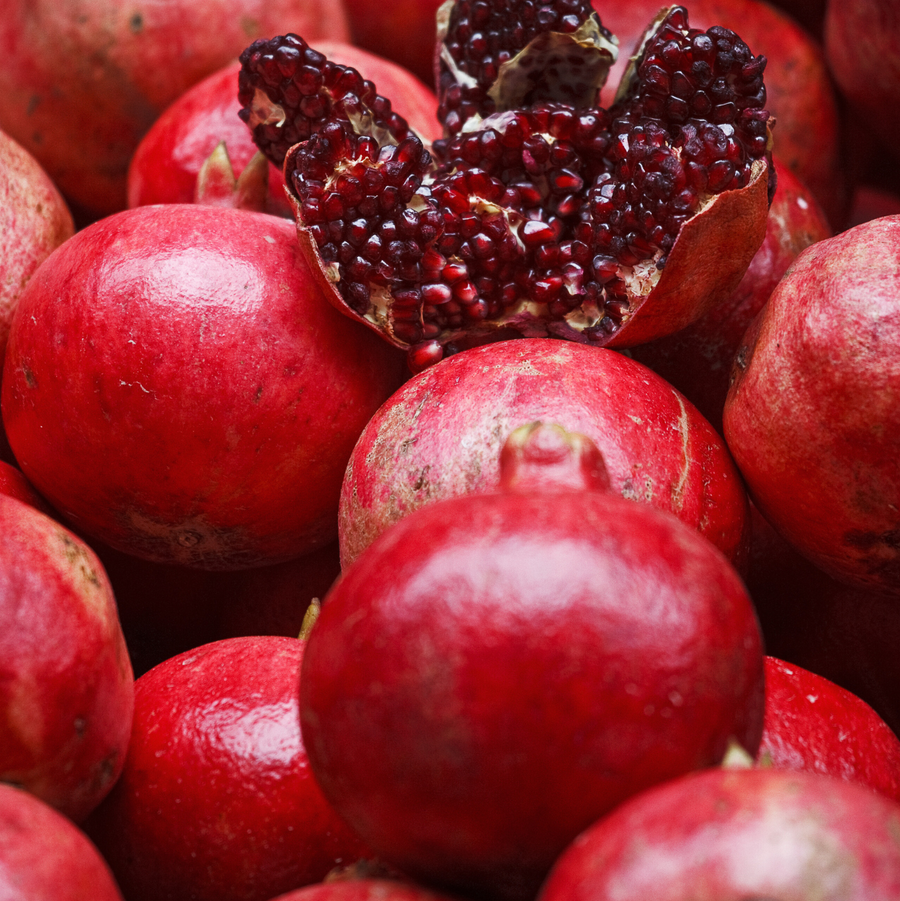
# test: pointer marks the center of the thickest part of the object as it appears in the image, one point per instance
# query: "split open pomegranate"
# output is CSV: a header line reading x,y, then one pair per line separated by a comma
x,y
538,212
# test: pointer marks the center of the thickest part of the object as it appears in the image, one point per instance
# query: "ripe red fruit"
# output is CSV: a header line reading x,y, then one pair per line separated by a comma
x,y
738,833
216,800
538,213
178,388
698,359
440,435
45,857
66,684
170,156
81,84
812,724
812,417
498,670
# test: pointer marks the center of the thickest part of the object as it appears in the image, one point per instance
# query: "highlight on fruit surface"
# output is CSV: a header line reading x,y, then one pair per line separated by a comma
x,y
538,212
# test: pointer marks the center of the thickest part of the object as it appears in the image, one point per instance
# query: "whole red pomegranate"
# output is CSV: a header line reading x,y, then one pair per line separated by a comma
x,y
169,158
440,436
800,94
34,220
813,415
698,359
736,834
44,856
538,213
178,388
82,82
813,724
216,800
66,684
498,670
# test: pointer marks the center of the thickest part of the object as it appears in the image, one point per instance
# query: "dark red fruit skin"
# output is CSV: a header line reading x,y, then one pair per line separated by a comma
x,y
216,800
13,483
193,399
698,359
812,724
44,856
738,834
812,415
800,93
440,435
496,671
166,163
66,685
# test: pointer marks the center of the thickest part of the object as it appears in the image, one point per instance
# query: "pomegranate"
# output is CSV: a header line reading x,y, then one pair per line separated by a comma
x,y
169,158
815,725
498,670
178,388
813,418
800,94
34,220
738,834
538,213
13,483
44,856
66,685
216,800
82,82
863,51
698,359
440,436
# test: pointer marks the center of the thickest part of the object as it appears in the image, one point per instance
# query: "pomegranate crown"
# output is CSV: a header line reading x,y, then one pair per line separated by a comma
x,y
538,213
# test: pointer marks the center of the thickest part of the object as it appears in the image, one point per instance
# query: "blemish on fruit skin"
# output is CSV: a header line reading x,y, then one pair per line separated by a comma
x,y
28,375
136,23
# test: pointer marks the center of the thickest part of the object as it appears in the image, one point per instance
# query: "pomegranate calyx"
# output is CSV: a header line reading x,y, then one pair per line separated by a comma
x,y
545,456
217,184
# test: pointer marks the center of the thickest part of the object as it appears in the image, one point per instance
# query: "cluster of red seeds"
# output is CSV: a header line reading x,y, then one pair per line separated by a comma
x,y
287,90
549,205
483,35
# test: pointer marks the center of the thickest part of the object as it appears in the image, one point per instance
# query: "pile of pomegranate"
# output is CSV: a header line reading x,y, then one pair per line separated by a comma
x,y
449,451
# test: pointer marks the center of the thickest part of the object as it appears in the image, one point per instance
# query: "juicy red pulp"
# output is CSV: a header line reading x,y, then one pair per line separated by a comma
x,y
548,218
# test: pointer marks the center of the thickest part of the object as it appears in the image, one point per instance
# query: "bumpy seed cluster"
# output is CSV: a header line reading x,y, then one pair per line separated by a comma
x,y
482,36
287,90
553,209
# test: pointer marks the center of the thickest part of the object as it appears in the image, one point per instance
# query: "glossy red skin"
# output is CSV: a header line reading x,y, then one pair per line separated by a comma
x,y
193,400
217,800
496,671
367,889
13,483
862,46
800,92
812,724
66,683
733,835
812,417
698,359
440,436
46,857
165,165
82,82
